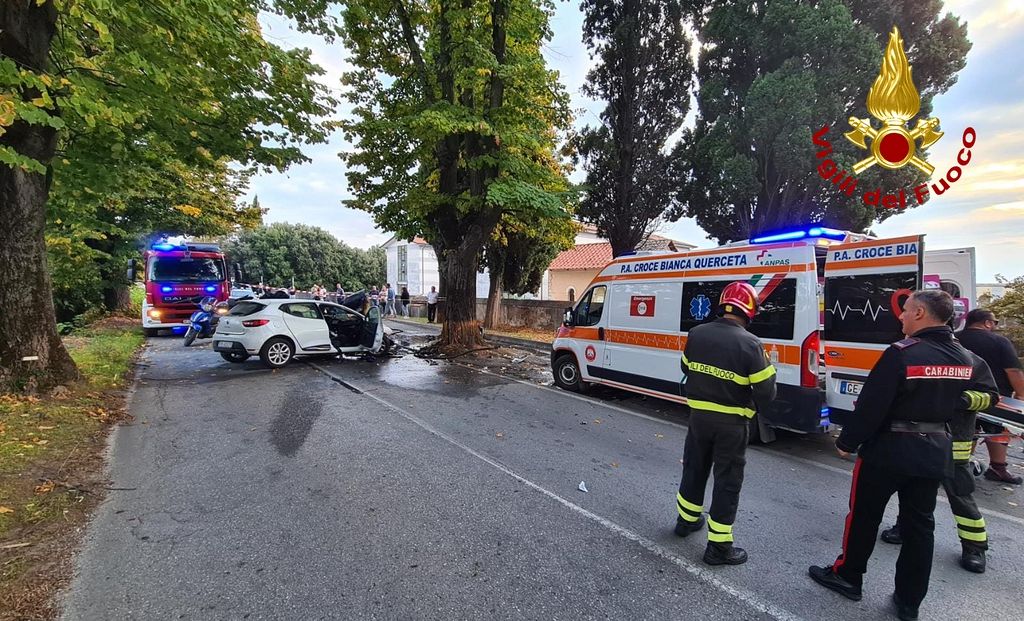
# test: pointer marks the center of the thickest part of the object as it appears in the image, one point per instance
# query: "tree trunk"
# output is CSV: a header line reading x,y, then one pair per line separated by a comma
x,y
117,298
460,329
31,353
492,316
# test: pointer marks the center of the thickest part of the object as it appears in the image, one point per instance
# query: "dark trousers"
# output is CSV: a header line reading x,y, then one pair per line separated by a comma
x,y
970,525
870,491
431,312
714,441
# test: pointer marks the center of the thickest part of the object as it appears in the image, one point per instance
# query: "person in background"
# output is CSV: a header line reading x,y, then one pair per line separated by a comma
x,y
405,301
374,296
432,305
390,309
316,292
979,336
339,291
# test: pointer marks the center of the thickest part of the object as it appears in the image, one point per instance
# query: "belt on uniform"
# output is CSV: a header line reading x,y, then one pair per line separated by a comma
x,y
908,426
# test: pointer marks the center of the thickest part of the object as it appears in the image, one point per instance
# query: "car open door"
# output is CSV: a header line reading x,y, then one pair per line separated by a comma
x,y
307,325
866,285
373,330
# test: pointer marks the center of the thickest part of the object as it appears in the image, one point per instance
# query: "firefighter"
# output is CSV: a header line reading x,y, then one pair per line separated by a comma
x,y
898,431
970,525
728,378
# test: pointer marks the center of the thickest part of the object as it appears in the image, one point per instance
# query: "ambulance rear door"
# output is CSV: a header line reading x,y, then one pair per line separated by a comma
x,y
866,285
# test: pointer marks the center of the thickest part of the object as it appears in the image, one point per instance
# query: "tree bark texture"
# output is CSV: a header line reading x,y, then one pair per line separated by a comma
x,y
32,355
492,316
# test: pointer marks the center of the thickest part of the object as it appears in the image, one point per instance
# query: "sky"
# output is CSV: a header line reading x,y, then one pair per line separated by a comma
x,y
983,209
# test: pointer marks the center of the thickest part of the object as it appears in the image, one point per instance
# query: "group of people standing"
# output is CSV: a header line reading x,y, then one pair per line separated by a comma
x,y
392,303
385,297
912,431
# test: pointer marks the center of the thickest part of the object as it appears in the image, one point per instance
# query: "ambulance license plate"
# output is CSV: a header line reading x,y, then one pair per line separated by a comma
x,y
850,388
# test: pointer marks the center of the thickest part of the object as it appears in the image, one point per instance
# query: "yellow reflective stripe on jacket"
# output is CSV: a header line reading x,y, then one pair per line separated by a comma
x,y
962,521
977,400
713,371
724,409
718,532
962,450
762,375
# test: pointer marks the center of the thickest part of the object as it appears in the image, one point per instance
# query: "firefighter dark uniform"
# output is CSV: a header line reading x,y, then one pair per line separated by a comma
x,y
970,525
898,430
728,378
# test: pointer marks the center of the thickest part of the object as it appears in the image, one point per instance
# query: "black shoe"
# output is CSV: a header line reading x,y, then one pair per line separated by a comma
x,y
684,528
904,612
973,560
831,580
724,555
892,535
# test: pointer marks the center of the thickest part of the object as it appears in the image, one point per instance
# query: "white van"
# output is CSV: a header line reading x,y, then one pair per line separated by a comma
x,y
830,302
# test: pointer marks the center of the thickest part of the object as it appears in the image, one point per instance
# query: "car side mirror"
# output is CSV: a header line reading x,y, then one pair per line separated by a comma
x,y
130,272
567,318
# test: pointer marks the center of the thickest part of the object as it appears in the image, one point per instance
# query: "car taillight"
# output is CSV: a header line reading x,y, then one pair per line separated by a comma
x,y
255,323
809,361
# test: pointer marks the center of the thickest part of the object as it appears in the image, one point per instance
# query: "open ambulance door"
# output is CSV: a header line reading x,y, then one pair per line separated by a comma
x,y
866,285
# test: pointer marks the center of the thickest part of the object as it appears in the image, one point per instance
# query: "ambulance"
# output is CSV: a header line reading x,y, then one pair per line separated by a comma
x,y
830,302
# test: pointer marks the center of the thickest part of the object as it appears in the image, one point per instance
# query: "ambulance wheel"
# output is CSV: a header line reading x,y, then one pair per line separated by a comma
x,y
567,374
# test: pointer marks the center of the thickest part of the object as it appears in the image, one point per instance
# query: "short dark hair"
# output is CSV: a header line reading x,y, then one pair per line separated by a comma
x,y
936,302
980,315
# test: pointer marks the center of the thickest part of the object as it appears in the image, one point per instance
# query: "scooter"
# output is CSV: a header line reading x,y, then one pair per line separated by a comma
x,y
203,322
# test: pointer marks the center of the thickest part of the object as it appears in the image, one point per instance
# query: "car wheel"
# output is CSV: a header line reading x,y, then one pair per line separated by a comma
x,y
567,374
150,331
277,352
190,336
233,356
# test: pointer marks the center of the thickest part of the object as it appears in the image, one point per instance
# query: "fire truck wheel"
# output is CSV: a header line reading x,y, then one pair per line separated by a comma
x,y
277,352
567,374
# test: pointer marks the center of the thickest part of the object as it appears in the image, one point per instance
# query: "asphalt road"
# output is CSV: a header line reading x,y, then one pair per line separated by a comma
x,y
401,489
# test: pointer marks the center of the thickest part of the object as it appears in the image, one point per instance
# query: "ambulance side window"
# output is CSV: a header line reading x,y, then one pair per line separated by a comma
x,y
588,311
774,320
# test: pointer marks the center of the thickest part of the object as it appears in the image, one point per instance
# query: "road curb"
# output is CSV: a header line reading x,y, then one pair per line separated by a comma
x,y
539,347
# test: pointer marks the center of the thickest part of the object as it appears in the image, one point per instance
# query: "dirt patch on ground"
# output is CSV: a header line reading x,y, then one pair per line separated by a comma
x,y
115,322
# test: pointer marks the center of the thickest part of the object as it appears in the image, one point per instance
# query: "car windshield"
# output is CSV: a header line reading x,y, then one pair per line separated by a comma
x,y
180,269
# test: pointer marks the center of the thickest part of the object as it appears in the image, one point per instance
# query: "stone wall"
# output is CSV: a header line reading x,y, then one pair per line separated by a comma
x,y
538,314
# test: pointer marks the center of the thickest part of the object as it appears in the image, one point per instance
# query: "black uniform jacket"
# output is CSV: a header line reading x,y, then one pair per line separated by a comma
x,y
919,379
727,370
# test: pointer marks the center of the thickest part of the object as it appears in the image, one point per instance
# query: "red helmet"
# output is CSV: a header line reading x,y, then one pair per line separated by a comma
x,y
740,295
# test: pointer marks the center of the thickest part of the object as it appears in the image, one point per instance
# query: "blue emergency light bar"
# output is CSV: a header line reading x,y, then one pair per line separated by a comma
x,y
166,289
164,246
211,288
804,233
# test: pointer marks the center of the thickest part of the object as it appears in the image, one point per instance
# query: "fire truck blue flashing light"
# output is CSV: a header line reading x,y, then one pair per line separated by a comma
x,y
166,289
814,231
164,246
211,288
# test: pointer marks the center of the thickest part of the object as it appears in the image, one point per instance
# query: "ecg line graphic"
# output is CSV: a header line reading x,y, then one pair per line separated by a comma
x,y
868,308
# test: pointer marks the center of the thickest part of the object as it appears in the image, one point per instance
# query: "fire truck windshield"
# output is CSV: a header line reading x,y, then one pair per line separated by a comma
x,y
178,269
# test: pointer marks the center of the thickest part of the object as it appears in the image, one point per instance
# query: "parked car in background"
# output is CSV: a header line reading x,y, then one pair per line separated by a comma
x,y
277,330
241,290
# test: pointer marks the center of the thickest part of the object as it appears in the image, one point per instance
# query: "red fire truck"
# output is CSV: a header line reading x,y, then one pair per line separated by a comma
x,y
176,277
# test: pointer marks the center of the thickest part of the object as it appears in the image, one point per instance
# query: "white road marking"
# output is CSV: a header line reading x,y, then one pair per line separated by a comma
x,y
747,597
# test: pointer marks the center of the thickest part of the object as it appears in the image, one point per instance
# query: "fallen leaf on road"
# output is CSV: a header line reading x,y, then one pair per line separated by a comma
x,y
615,464
45,488
4,509
1012,504
597,421
45,427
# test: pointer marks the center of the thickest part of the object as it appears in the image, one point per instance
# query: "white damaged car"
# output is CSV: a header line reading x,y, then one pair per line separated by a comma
x,y
278,330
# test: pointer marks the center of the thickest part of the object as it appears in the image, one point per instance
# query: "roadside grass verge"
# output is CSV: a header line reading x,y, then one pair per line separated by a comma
x,y
51,466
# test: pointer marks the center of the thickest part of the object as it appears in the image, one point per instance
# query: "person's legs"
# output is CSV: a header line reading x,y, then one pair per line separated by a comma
x,y
917,524
697,452
869,493
729,458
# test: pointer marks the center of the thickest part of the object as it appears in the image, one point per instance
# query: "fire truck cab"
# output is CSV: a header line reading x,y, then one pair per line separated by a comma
x,y
177,277
830,303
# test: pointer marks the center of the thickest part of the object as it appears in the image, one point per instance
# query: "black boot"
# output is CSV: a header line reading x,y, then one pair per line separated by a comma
x,y
828,578
904,612
727,554
973,559
684,528
892,535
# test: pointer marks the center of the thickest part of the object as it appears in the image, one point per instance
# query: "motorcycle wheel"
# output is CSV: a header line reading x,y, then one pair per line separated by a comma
x,y
190,336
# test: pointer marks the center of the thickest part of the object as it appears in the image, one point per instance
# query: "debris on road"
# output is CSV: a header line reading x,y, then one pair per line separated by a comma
x,y
582,487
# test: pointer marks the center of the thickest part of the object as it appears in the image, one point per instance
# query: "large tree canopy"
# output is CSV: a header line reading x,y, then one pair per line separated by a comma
x,y
135,115
643,72
282,253
771,74
454,124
